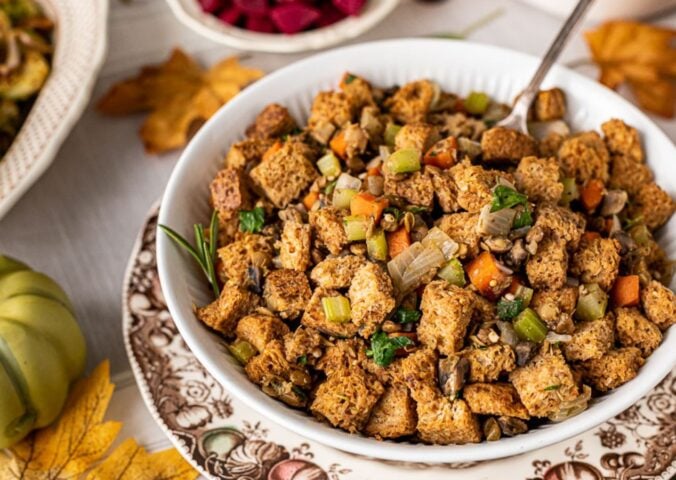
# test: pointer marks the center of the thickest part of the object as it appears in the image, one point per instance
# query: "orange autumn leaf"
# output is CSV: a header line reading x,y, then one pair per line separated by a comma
x,y
641,56
179,95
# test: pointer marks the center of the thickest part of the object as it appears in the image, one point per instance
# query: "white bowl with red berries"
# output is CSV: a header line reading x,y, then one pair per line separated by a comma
x,y
281,26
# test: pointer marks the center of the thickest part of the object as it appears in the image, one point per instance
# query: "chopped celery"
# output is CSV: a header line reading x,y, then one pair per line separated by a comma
x,y
476,103
640,234
336,309
391,131
592,302
342,198
570,191
528,326
404,161
525,294
376,246
453,273
329,165
356,227
242,351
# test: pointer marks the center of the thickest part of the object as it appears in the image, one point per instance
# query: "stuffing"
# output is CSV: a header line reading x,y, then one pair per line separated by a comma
x,y
314,317
373,123
545,383
232,304
549,146
473,184
330,111
371,298
442,421
412,102
653,204
247,153
487,364
634,330
420,136
357,90
549,105
228,226
394,415
458,125
343,355
613,369
591,339
559,222
462,227
294,251
444,189
627,174
416,188
419,371
621,139
500,144
539,179
285,174
229,190
239,262
584,156
659,304
259,329
446,312
286,292
356,141
303,345
336,272
346,398
273,121
548,267
556,308
494,399
485,311
327,224
597,261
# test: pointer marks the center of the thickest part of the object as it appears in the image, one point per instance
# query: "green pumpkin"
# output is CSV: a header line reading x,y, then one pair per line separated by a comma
x,y
42,350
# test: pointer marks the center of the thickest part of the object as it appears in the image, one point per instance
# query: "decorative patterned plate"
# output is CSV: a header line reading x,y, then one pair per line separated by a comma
x,y
225,439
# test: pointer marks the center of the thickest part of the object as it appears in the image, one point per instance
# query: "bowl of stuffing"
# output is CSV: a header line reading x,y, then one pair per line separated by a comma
x,y
388,272
281,26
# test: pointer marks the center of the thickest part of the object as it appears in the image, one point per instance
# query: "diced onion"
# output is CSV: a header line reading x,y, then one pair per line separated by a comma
x,y
507,333
541,130
471,148
553,337
348,182
430,258
495,223
573,407
440,239
384,152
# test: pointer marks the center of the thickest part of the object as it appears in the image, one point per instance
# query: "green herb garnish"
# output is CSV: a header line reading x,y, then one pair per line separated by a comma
x,y
395,212
506,197
508,309
251,221
330,187
383,348
349,78
552,387
403,315
416,209
523,219
302,360
204,251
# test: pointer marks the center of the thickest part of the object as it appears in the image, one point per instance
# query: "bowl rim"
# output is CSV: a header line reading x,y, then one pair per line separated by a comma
x,y
625,396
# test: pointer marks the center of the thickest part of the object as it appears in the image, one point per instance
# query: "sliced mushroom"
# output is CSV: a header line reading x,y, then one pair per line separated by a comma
x,y
254,279
613,202
507,333
375,185
452,374
517,255
627,243
511,426
497,244
491,429
524,352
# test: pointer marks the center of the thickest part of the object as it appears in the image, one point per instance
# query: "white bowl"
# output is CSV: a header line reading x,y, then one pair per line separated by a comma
x,y
190,13
458,67
80,45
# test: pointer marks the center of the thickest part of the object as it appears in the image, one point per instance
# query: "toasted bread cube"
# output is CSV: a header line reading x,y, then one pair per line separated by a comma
x,y
560,223
473,184
343,354
294,252
346,398
371,298
287,292
549,146
358,91
597,261
613,369
416,188
621,139
229,191
459,125
446,312
500,144
494,399
545,383
273,121
336,272
443,422
550,105
303,345
330,111
659,304
556,308
223,313
445,190
584,156
420,136
627,174
539,179
462,227
259,329
653,204
394,415
487,364
591,339
485,311
327,224
634,330
419,371
412,102
237,259
285,174
314,317
548,267
247,153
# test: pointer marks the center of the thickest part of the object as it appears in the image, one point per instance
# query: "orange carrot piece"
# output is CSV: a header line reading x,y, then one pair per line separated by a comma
x,y
274,148
514,286
374,172
625,291
589,236
442,154
486,276
338,145
310,199
592,194
367,205
398,241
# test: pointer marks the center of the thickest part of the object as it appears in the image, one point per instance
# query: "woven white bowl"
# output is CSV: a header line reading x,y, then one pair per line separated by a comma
x,y
80,42
190,13
458,67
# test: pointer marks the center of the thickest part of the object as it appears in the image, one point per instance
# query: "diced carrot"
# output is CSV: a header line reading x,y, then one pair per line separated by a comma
x,y
625,291
366,204
338,145
592,194
374,172
486,275
589,236
398,241
310,199
274,148
514,286
442,154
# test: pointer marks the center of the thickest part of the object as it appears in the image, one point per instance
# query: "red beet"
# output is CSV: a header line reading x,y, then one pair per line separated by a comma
x,y
230,15
253,7
328,14
260,24
294,17
211,6
349,7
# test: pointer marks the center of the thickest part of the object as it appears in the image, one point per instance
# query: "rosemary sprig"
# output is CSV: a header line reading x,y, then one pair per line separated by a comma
x,y
204,252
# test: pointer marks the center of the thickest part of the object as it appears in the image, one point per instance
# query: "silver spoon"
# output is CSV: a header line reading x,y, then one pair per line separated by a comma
x,y
517,119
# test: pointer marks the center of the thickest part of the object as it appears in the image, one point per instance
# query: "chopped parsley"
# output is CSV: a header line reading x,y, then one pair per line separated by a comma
x,y
252,221
523,219
403,315
552,387
416,209
506,197
509,309
349,78
383,348
330,187
302,360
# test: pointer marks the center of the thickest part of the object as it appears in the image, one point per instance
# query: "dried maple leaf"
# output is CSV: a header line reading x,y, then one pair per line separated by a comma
x,y
642,56
77,442
180,96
